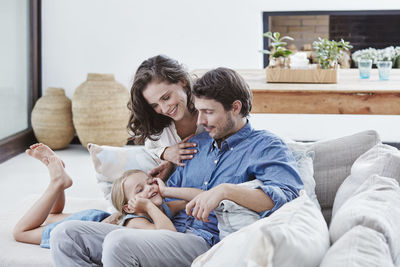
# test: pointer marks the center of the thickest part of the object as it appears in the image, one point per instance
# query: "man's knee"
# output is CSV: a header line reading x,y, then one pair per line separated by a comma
x,y
118,247
63,234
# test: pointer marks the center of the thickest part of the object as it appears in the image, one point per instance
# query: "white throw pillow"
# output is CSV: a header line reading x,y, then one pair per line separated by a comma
x,y
304,158
233,217
375,204
294,235
361,246
111,162
383,160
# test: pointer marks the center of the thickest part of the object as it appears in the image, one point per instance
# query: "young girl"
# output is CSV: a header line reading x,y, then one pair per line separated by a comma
x,y
135,195
138,196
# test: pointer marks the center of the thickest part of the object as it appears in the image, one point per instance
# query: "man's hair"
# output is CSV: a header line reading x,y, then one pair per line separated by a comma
x,y
224,86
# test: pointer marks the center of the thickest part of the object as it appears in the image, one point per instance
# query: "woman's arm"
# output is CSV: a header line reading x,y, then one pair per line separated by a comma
x,y
142,205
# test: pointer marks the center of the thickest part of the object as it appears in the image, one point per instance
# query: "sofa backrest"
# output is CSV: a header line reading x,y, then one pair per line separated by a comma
x,y
332,164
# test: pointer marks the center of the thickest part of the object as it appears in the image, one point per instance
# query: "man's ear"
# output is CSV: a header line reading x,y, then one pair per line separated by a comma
x,y
127,209
236,107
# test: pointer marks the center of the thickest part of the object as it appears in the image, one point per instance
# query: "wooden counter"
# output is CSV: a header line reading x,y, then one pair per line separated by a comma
x,y
351,95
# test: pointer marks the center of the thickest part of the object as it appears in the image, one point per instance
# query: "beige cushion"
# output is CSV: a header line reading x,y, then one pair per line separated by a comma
x,y
294,235
376,205
359,247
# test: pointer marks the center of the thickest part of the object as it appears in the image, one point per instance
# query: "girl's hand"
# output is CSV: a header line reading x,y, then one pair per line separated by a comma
x,y
161,186
178,152
139,205
163,171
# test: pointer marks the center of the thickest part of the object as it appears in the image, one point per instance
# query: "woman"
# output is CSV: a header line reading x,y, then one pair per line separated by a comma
x,y
162,112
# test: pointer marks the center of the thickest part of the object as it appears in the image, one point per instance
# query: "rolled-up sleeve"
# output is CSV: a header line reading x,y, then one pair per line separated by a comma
x,y
277,170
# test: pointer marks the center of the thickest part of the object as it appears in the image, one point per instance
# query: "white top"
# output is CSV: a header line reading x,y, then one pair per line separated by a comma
x,y
168,137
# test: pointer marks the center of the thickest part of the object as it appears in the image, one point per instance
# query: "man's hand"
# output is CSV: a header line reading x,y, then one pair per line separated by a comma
x,y
163,171
201,206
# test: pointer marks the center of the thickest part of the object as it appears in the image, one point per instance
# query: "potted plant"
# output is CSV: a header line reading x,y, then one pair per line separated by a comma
x,y
278,53
365,54
329,52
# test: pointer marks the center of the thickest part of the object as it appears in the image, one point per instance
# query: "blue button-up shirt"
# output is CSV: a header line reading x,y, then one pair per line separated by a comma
x,y
248,154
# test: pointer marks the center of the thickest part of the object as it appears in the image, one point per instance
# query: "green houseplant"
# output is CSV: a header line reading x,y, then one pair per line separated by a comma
x,y
329,52
278,52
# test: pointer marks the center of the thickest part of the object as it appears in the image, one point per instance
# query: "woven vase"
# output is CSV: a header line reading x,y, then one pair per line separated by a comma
x,y
100,112
52,119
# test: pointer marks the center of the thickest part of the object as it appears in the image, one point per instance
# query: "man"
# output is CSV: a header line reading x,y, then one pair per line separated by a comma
x,y
229,152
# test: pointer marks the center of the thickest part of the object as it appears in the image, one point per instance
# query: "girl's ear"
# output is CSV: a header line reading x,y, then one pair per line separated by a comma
x,y
127,209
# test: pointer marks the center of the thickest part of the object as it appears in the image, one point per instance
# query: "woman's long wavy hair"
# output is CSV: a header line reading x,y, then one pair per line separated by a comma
x,y
144,122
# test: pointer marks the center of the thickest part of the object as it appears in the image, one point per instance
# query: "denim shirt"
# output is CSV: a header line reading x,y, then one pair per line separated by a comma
x,y
248,154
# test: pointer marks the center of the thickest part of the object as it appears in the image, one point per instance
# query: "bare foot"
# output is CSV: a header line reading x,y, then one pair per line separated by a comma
x,y
41,152
58,176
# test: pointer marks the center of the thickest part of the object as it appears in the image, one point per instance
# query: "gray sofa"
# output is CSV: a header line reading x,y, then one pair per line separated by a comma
x,y
333,160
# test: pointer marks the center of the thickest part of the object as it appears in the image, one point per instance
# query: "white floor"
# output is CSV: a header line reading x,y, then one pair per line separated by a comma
x,y
22,176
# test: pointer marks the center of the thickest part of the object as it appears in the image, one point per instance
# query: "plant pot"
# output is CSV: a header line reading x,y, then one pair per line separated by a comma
x,y
100,112
52,119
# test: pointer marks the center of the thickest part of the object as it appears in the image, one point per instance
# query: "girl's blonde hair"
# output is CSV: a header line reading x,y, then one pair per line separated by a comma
x,y
118,197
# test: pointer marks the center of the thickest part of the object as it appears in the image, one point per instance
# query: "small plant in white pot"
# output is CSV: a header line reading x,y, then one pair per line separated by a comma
x,y
278,53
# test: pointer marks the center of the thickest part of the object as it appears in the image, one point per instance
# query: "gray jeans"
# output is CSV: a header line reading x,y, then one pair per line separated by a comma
x,y
78,243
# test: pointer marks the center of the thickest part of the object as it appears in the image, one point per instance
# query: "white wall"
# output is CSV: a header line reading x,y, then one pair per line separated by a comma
x,y
107,36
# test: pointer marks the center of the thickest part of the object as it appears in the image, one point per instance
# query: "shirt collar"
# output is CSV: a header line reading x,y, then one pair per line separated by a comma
x,y
236,138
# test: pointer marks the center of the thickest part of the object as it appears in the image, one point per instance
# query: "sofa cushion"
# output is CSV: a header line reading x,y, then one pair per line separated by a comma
x,y
294,235
382,159
376,205
232,217
332,163
111,162
361,246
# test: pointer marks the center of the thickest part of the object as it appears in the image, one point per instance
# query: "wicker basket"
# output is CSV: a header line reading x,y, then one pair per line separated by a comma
x,y
52,119
100,112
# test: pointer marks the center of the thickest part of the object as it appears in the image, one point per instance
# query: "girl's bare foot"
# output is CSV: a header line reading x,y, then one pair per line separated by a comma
x,y
41,152
58,176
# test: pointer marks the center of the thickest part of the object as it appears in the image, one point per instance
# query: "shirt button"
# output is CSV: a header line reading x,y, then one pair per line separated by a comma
x,y
206,183
216,161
